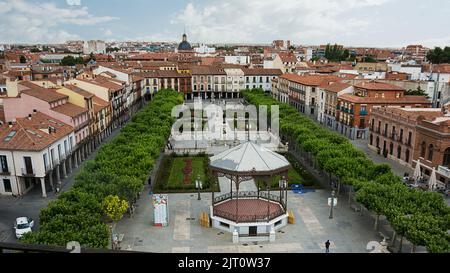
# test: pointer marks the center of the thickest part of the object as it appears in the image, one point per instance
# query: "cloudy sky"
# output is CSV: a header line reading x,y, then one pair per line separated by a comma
x,y
383,23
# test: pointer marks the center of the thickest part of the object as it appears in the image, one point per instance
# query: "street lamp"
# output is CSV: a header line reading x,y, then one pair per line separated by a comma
x,y
332,204
198,184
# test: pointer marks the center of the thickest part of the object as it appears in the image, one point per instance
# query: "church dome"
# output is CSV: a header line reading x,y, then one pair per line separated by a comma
x,y
184,45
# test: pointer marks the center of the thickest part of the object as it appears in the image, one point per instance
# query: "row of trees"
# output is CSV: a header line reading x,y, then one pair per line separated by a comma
x,y
119,172
439,55
421,217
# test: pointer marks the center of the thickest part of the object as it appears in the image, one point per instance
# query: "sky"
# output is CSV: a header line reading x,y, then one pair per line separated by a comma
x,y
377,23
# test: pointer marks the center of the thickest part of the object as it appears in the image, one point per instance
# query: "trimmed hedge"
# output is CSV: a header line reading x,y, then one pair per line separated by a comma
x,y
120,168
422,217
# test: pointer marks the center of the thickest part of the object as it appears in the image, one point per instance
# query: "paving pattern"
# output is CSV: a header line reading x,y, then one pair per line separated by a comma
x,y
348,231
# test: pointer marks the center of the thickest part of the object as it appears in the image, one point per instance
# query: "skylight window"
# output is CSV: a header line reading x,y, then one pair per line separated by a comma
x,y
10,136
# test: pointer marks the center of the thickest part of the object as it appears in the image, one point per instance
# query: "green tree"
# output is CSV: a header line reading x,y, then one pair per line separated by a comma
x,y
23,60
417,92
71,61
114,207
439,55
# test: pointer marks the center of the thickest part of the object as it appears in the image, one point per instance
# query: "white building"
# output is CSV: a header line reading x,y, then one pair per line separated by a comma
x,y
34,151
203,50
260,78
94,46
235,79
242,60
327,101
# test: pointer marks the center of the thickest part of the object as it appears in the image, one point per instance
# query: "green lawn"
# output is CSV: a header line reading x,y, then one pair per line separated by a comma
x,y
176,177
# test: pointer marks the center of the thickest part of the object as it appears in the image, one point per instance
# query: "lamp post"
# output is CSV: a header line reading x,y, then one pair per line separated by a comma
x,y
198,184
332,204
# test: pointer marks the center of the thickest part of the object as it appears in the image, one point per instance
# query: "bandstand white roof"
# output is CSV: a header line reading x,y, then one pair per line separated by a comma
x,y
249,157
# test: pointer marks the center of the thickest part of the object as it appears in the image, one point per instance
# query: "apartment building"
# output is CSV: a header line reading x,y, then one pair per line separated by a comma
x,y
35,151
260,78
353,111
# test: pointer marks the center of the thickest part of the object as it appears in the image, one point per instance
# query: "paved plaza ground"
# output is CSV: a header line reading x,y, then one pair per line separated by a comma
x,y
348,230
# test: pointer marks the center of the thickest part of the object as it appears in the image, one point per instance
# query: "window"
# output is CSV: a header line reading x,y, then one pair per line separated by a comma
x,y
391,148
430,152
59,151
52,155
71,142
46,165
446,162
4,164
399,151
423,148
407,154
7,185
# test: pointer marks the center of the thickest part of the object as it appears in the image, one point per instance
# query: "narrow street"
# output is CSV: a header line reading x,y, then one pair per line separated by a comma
x,y
31,203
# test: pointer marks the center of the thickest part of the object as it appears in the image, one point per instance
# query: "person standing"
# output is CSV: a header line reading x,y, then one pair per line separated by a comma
x,y
327,246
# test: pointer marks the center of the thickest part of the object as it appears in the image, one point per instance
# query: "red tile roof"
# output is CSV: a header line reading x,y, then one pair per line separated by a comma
x,y
372,100
310,80
414,113
80,91
335,87
32,135
48,95
207,70
374,85
287,57
70,110
99,104
261,71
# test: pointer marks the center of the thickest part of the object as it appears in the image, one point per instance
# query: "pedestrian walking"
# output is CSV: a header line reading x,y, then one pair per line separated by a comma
x,y
327,246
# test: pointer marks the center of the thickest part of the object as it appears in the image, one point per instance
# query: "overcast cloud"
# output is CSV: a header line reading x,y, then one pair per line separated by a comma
x,y
350,22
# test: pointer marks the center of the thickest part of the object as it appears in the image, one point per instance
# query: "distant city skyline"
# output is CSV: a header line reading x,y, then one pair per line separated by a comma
x,y
352,23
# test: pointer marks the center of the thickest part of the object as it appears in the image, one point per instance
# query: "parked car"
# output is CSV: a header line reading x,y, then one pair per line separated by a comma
x,y
23,225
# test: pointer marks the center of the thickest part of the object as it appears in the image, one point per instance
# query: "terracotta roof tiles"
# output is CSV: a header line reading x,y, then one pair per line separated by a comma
x,y
32,134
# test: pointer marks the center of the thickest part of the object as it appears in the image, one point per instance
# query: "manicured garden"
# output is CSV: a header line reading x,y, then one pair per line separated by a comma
x,y
179,173
121,169
421,217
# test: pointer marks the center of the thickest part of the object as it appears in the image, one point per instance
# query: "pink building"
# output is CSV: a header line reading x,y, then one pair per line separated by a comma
x,y
48,101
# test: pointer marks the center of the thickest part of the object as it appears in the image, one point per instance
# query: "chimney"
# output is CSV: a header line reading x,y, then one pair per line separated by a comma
x,y
29,116
10,124
34,111
50,130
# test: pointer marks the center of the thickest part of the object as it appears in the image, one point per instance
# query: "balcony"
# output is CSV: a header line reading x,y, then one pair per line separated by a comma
x,y
363,113
28,172
5,172
81,125
444,171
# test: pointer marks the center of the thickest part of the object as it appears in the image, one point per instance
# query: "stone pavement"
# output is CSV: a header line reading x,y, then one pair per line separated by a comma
x,y
348,231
